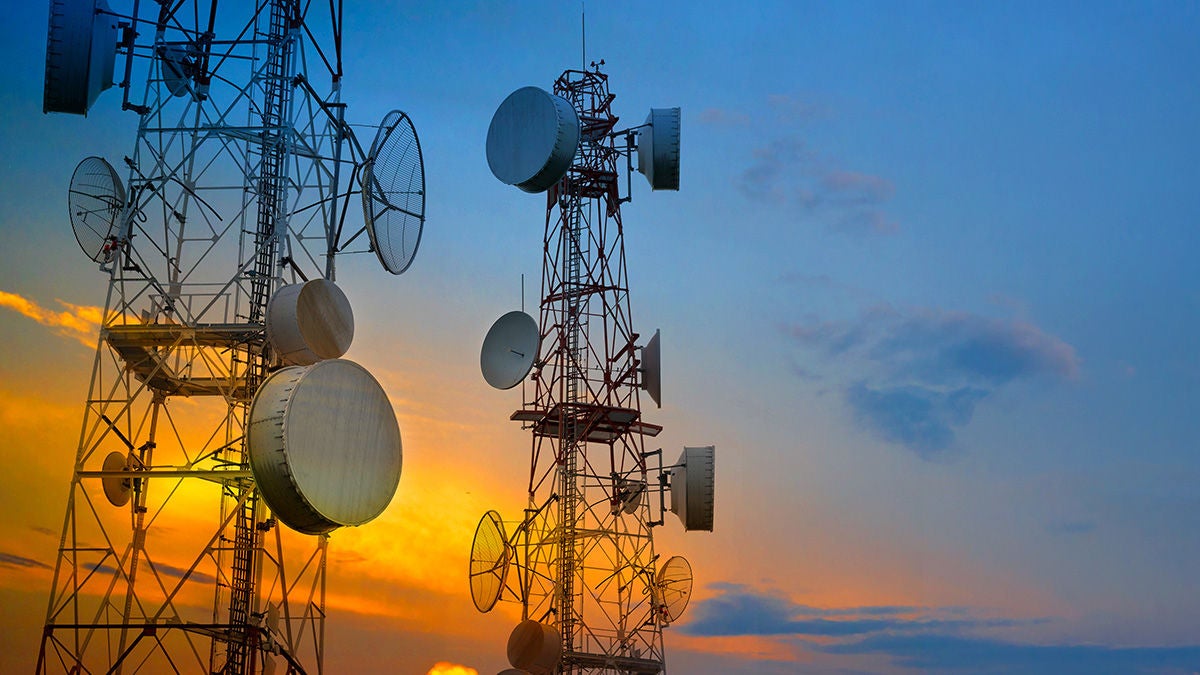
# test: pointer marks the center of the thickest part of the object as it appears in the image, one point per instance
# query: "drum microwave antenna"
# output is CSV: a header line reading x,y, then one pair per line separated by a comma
x,y
581,561
221,238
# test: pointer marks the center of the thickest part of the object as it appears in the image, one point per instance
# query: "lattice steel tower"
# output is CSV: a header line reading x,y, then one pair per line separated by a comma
x,y
238,186
594,595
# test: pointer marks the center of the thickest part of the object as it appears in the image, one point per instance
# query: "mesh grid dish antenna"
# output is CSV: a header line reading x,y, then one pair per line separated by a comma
x,y
81,51
96,201
394,192
490,557
674,587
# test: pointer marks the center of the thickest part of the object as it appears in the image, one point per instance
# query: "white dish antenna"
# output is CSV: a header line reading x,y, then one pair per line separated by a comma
x,y
393,191
81,52
509,349
96,200
673,588
692,488
117,488
651,369
309,322
176,67
630,496
490,558
535,647
324,445
658,148
532,139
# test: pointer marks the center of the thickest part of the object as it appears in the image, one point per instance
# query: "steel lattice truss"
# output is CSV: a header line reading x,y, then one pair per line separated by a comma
x,y
586,562
237,184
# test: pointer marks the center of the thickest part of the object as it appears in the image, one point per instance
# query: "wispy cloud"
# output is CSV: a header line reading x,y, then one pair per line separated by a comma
x,y
789,173
920,373
926,639
14,560
179,573
720,117
77,322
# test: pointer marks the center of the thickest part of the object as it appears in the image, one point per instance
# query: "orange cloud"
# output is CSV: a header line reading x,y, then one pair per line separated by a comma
x,y
444,668
79,322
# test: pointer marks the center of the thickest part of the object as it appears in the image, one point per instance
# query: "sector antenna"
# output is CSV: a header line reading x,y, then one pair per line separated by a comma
x,y
226,433
581,561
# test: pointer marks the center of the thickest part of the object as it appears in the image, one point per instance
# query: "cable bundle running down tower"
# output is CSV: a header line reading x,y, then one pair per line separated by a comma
x,y
219,407
581,562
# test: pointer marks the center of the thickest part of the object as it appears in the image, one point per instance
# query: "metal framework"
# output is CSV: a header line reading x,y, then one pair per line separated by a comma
x,y
585,551
237,185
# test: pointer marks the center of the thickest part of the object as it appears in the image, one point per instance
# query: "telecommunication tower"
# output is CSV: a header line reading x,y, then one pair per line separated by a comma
x,y
219,410
581,562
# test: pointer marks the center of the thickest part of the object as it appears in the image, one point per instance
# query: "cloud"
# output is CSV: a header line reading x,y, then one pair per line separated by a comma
x,y
719,117
79,322
918,374
955,653
13,560
179,572
788,173
741,611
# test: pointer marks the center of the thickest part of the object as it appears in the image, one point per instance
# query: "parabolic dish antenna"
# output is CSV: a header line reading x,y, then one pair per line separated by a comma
x,y
116,488
96,200
81,51
674,587
658,148
309,322
393,190
175,68
630,495
532,139
534,647
509,349
652,369
490,557
692,488
324,445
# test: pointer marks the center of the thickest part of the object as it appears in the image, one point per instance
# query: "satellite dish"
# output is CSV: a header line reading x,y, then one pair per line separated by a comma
x,y
309,322
117,488
630,495
324,445
95,201
175,68
81,52
509,349
673,588
490,557
393,191
532,139
652,369
658,148
692,488
534,647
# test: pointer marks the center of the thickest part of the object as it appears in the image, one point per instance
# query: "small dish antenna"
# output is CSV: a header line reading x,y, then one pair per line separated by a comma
x,y
509,349
176,67
490,557
393,191
96,200
534,647
651,369
309,322
117,488
630,496
658,148
673,588
324,445
532,139
692,488
81,53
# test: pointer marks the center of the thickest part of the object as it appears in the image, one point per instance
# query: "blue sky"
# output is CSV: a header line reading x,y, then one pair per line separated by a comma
x,y
929,285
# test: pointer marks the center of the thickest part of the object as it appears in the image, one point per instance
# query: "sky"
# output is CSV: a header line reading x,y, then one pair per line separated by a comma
x,y
928,285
